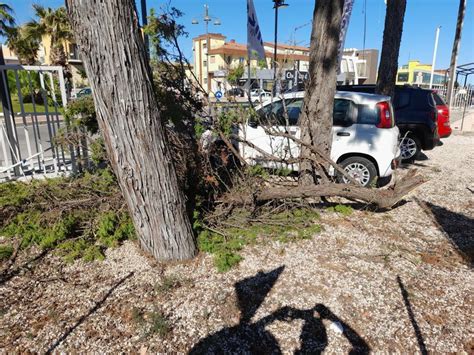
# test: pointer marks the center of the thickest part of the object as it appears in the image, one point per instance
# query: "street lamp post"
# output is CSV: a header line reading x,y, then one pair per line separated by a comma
x,y
434,56
207,18
276,6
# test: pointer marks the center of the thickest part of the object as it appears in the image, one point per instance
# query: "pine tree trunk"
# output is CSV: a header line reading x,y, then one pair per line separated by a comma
x,y
392,36
114,57
316,117
454,53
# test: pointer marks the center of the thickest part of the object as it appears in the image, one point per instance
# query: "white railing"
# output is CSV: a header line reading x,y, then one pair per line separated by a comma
x,y
462,96
28,130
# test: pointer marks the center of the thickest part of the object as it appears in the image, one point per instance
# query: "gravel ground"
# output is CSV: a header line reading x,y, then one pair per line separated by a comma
x,y
398,281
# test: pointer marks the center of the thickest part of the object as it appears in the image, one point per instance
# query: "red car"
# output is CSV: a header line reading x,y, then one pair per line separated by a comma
x,y
444,129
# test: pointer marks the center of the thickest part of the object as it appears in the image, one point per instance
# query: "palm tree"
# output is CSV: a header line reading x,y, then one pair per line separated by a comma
x,y
55,24
25,47
6,18
6,22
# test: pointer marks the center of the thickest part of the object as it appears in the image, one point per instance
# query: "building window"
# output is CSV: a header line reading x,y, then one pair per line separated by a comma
x,y
204,45
402,77
241,60
205,80
204,63
213,59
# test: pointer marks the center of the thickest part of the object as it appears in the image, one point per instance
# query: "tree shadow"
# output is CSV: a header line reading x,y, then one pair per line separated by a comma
x,y
457,227
252,337
29,264
81,320
411,315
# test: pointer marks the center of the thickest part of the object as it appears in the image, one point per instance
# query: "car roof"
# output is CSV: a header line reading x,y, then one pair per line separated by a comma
x,y
360,98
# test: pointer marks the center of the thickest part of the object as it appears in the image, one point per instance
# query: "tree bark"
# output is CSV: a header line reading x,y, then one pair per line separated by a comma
x,y
114,56
454,53
392,36
316,117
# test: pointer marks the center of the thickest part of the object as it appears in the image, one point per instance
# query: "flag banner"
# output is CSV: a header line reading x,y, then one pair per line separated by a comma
x,y
254,37
346,16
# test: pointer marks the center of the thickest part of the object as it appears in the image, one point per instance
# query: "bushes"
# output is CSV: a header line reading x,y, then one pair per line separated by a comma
x,y
78,218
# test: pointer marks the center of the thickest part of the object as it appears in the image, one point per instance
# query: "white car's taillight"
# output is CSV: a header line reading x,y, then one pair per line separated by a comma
x,y
385,114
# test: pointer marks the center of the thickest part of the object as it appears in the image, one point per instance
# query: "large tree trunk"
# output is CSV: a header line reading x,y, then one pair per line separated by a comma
x,y
392,36
114,56
454,53
316,117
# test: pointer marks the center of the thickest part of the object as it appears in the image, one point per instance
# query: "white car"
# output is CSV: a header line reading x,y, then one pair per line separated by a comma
x,y
259,95
365,138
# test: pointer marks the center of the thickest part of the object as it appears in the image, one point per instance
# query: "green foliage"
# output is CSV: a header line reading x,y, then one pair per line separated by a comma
x,y
152,323
226,121
169,283
98,153
283,172
287,226
262,63
5,252
342,209
235,74
24,46
46,214
258,170
112,229
14,194
81,112
224,261
158,324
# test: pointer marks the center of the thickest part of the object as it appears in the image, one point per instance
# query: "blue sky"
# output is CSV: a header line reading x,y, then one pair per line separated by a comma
x,y
421,19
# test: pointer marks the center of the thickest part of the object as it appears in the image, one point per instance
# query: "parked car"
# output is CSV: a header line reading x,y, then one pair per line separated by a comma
x,y
444,128
259,95
235,92
416,116
83,92
365,138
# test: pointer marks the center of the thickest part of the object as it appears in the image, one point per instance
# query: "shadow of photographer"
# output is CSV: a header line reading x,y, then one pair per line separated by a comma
x,y
253,337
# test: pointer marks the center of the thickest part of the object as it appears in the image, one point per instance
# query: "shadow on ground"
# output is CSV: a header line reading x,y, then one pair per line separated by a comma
x,y
458,228
252,337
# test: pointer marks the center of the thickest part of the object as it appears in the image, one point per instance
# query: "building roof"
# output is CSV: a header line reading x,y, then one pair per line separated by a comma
x,y
210,35
233,48
286,46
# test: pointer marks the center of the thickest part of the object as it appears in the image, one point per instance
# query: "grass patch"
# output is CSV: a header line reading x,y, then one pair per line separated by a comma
x,y
151,323
78,218
169,283
342,209
5,252
285,227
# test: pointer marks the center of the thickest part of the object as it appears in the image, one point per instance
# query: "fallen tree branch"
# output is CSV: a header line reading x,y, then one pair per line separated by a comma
x,y
381,198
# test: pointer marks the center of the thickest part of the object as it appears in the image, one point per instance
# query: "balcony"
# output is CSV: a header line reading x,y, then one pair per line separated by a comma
x,y
73,55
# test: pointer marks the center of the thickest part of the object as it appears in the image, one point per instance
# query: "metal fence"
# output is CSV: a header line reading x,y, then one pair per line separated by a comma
x,y
462,97
33,101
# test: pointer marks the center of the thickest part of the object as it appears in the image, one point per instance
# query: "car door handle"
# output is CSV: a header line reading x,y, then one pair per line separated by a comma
x,y
344,134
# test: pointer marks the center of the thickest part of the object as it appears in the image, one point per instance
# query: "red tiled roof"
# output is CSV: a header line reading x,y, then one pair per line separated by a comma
x,y
231,48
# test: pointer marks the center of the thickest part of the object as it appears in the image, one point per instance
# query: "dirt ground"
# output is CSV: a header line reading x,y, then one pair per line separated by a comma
x,y
397,281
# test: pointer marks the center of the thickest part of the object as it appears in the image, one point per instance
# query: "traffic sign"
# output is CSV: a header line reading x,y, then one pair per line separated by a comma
x,y
218,95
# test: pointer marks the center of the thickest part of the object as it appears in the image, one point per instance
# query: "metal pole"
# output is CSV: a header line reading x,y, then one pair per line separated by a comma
x,y
144,23
276,39
8,114
434,56
206,20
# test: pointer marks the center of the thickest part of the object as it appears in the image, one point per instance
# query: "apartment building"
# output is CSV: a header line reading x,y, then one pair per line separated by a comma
x,y
214,57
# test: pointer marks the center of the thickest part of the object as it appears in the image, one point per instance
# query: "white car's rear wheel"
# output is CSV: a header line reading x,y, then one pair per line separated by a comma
x,y
360,169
